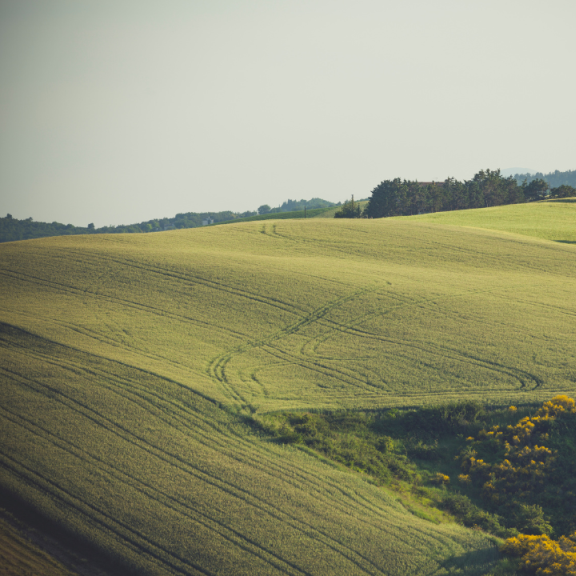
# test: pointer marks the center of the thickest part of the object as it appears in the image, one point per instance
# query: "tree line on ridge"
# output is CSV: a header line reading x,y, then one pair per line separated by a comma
x,y
487,188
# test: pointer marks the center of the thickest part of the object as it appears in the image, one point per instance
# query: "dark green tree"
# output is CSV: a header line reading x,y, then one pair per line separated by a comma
x,y
387,199
495,188
536,190
403,197
530,519
349,209
563,191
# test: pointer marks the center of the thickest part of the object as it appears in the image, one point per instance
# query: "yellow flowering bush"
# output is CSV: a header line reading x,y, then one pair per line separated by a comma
x,y
526,460
441,479
540,555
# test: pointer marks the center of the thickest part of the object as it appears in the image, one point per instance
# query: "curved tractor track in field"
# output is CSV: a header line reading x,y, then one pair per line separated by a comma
x,y
217,367
310,349
310,358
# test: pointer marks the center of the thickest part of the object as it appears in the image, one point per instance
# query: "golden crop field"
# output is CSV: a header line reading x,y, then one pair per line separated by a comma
x,y
127,362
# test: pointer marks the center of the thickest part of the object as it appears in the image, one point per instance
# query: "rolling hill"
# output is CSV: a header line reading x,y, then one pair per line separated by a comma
x,y
129,363
548,220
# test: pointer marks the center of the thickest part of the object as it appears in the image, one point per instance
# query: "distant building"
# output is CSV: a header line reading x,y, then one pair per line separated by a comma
x,y
207,221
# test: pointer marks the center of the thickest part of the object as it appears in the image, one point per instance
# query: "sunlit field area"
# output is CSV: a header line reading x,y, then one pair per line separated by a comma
x,y
549,220
128,365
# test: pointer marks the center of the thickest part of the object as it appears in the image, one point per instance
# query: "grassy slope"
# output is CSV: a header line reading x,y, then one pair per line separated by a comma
x,y
125,359
551,220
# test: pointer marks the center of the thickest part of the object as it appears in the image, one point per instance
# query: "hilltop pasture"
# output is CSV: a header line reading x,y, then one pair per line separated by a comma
x,y
548,220
128,362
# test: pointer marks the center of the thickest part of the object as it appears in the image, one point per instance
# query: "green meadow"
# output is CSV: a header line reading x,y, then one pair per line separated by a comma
x,y
130,363
549,220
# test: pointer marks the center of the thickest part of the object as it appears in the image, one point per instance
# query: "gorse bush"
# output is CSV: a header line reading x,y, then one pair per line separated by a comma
x,y
527,467
541,555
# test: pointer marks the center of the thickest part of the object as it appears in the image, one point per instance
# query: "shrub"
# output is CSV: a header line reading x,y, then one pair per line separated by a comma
x,y
348,210
542,556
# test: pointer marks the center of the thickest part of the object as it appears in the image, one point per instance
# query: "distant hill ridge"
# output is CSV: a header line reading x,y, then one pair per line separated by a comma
x,y
555,178
12,229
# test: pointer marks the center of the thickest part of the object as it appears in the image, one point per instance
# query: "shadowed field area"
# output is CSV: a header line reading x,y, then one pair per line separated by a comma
x,y
128,361
18,556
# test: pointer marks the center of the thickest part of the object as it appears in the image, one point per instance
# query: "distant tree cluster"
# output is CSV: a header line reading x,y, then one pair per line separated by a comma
x,y
349,209
487,188
296,205
554,179
12,229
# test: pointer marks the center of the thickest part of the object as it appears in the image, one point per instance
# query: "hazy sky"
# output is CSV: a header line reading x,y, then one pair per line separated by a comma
x,y
121,111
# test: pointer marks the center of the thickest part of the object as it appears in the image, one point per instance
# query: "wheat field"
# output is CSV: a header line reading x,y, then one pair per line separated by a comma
x,y
128,361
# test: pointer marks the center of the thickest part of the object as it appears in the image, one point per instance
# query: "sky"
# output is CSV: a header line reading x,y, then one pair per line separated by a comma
x,y
121,111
